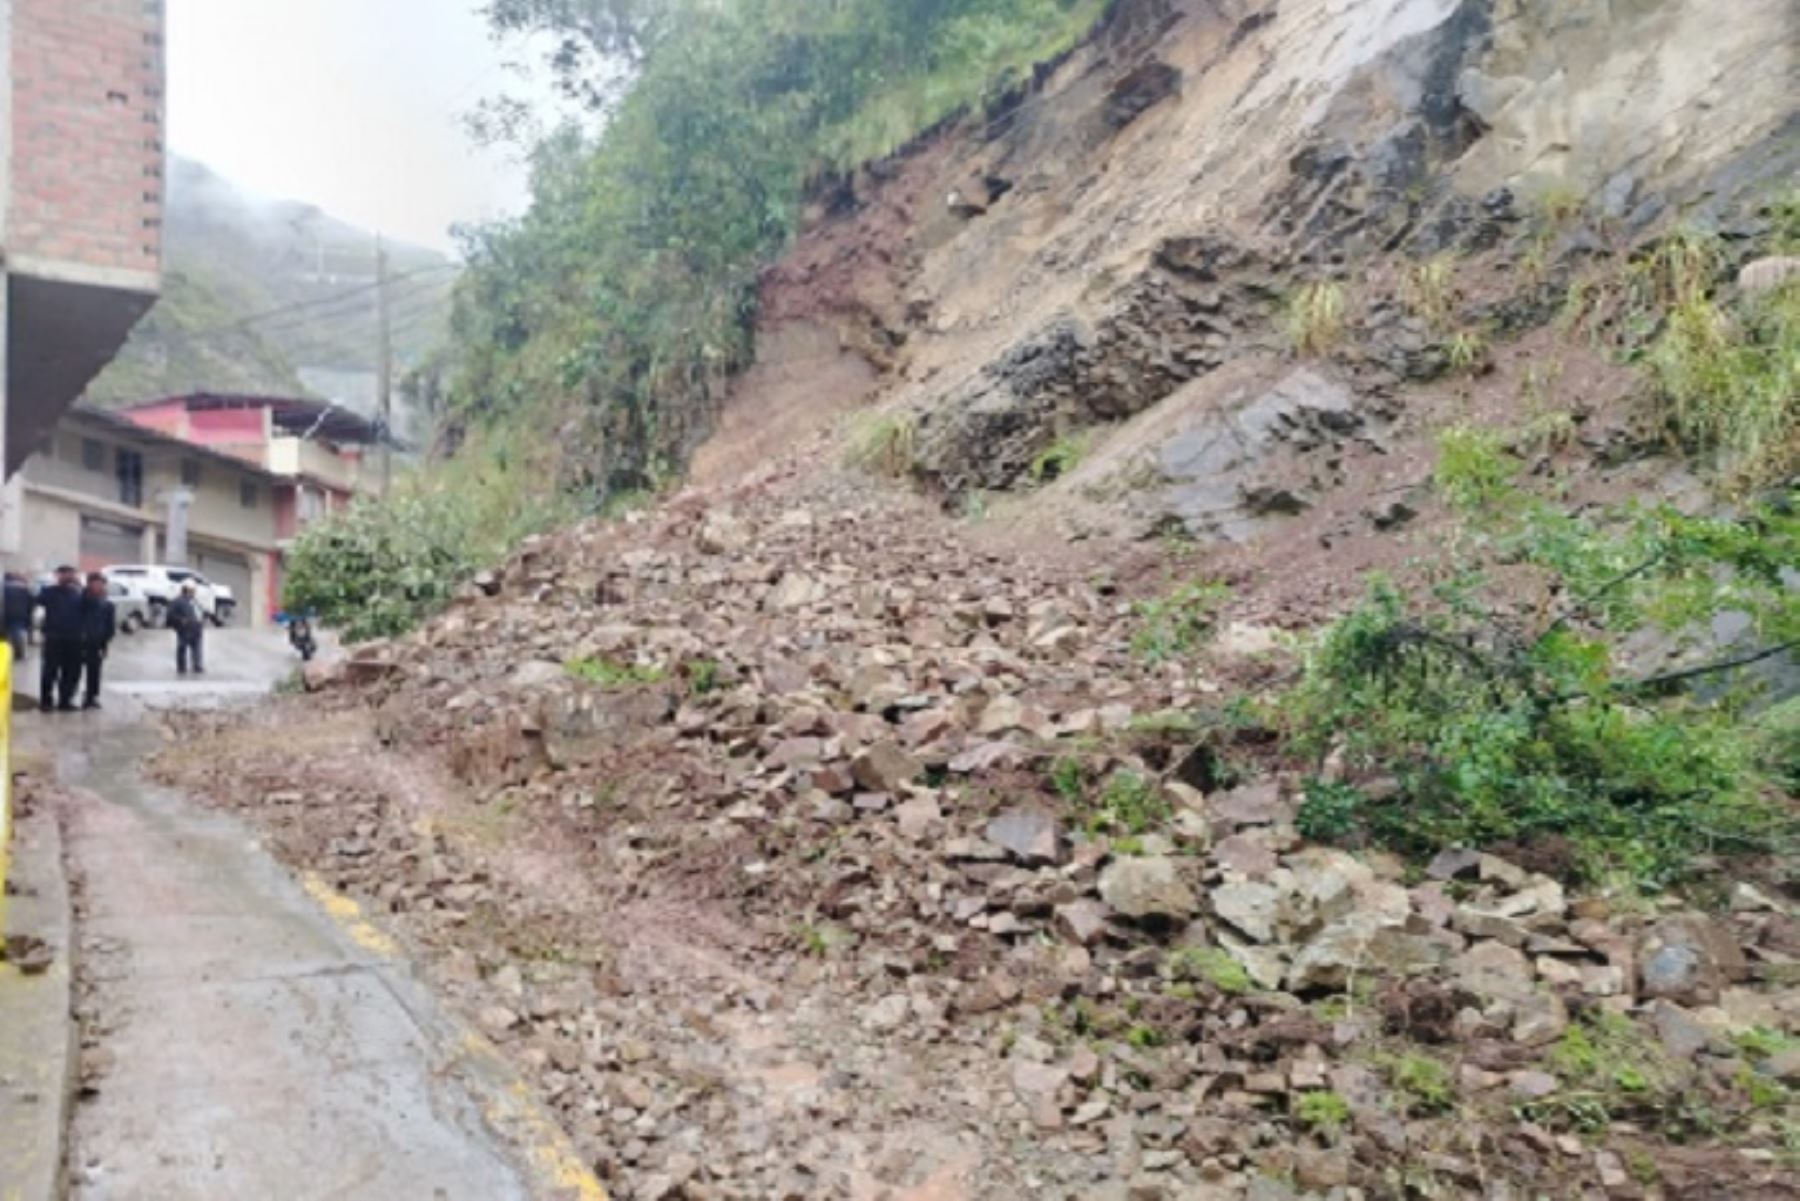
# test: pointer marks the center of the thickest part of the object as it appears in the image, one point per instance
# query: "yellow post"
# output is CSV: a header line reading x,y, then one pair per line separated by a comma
x,y
6,694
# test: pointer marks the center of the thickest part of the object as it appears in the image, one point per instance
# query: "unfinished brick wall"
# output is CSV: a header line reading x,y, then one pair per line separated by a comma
x,y
87,158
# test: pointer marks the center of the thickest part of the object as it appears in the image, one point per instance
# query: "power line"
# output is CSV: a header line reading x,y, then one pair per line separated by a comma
x,y
318,302
408,319
354,313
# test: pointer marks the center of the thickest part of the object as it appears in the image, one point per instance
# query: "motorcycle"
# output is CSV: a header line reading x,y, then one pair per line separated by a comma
x,y
300,637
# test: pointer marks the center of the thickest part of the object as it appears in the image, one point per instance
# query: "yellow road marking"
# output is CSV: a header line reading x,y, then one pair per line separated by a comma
x,y
508,1105
512,1109
348,914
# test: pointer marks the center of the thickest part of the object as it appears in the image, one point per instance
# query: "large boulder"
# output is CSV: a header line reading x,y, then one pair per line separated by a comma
x,y
1252,909
1147,887
1027,833
1688,958
577,725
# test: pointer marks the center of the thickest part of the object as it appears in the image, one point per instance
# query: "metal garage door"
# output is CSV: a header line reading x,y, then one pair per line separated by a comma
x,y
104,543
222,567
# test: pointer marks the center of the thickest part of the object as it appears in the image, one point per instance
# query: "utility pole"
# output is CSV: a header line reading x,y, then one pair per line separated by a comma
x,y
384,366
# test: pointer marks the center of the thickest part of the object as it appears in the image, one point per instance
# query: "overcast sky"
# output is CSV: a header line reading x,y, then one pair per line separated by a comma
x,y
353,105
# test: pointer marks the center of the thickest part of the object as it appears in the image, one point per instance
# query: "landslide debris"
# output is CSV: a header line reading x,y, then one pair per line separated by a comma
x,y
795,847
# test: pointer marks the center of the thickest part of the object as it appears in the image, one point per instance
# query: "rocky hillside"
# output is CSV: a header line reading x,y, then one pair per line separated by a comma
x,y
1230,644
271,297
1150,214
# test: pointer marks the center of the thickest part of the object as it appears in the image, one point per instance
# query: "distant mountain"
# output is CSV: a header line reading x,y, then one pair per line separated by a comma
x,y
272,296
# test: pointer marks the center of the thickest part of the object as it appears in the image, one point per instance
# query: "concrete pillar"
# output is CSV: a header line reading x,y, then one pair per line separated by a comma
x,y
8,547
180,502
12,505
253,610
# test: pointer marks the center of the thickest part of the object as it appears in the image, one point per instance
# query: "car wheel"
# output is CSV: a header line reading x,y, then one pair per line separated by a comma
x,y
132,624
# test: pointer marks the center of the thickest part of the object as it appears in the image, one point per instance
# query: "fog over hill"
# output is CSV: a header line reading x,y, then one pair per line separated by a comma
x,y
272,296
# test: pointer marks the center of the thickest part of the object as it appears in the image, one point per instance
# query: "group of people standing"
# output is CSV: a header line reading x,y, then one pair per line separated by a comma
x,y
80,623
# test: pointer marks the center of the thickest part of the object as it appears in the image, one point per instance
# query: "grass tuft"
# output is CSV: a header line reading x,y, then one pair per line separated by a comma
x,y
885,445
1316,317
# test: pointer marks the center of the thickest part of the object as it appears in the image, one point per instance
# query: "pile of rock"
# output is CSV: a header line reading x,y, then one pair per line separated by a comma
x,y
852,911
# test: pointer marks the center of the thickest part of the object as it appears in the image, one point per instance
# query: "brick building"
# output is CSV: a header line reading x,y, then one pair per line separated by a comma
x,y
81,189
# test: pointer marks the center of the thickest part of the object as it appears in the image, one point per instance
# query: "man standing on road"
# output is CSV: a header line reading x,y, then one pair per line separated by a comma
x,y
97,629
189,624
62,605
18,615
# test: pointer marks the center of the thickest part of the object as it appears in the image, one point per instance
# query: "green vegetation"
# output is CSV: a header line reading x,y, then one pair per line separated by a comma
x,y
1178,624
703,676
1214,966
381,566
1330,810
1058,459
820,941
1763,1092
609,317
1430,290
1610,1070
194,337
1473,469
618,305
253,289
1069,778
1466,350
1130,804
1760,1042
1315,317
1424,1083
1730,382
1142,1036
884,445
1323,1112
1495,697
611,673
1777,737
1726,372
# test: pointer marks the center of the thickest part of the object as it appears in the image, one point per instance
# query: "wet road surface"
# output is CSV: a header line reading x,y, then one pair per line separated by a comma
x,y
254,1046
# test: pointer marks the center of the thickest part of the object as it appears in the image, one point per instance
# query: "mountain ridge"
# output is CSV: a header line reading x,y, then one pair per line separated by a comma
x,y
274,296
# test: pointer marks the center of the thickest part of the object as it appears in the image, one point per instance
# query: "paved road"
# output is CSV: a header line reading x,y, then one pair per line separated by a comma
x,y
259,1046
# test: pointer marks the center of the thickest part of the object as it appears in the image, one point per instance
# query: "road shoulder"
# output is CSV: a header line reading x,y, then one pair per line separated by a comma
x,y
37,1029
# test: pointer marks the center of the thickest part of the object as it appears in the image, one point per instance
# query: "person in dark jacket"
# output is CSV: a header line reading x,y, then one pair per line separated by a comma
x,y
61,603
18,615
189,624
98,625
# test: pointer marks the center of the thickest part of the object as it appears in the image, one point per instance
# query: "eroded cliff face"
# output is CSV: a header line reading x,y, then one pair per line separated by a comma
x,y
1107,241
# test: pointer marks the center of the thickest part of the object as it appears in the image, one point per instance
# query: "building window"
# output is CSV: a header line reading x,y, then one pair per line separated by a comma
x,y
93,454
130,471
190,473
311,504
249,495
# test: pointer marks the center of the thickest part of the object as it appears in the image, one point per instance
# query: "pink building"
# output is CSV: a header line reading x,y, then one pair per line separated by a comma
x,y
320,453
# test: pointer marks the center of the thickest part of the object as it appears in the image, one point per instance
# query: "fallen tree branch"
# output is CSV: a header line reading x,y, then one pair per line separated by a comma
x,y
1705,669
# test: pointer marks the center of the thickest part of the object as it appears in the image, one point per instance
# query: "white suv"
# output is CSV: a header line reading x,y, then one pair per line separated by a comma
x,y
161,585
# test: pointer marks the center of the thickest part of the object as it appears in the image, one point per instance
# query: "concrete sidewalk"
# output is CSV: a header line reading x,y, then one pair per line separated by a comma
x,y
37,1034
